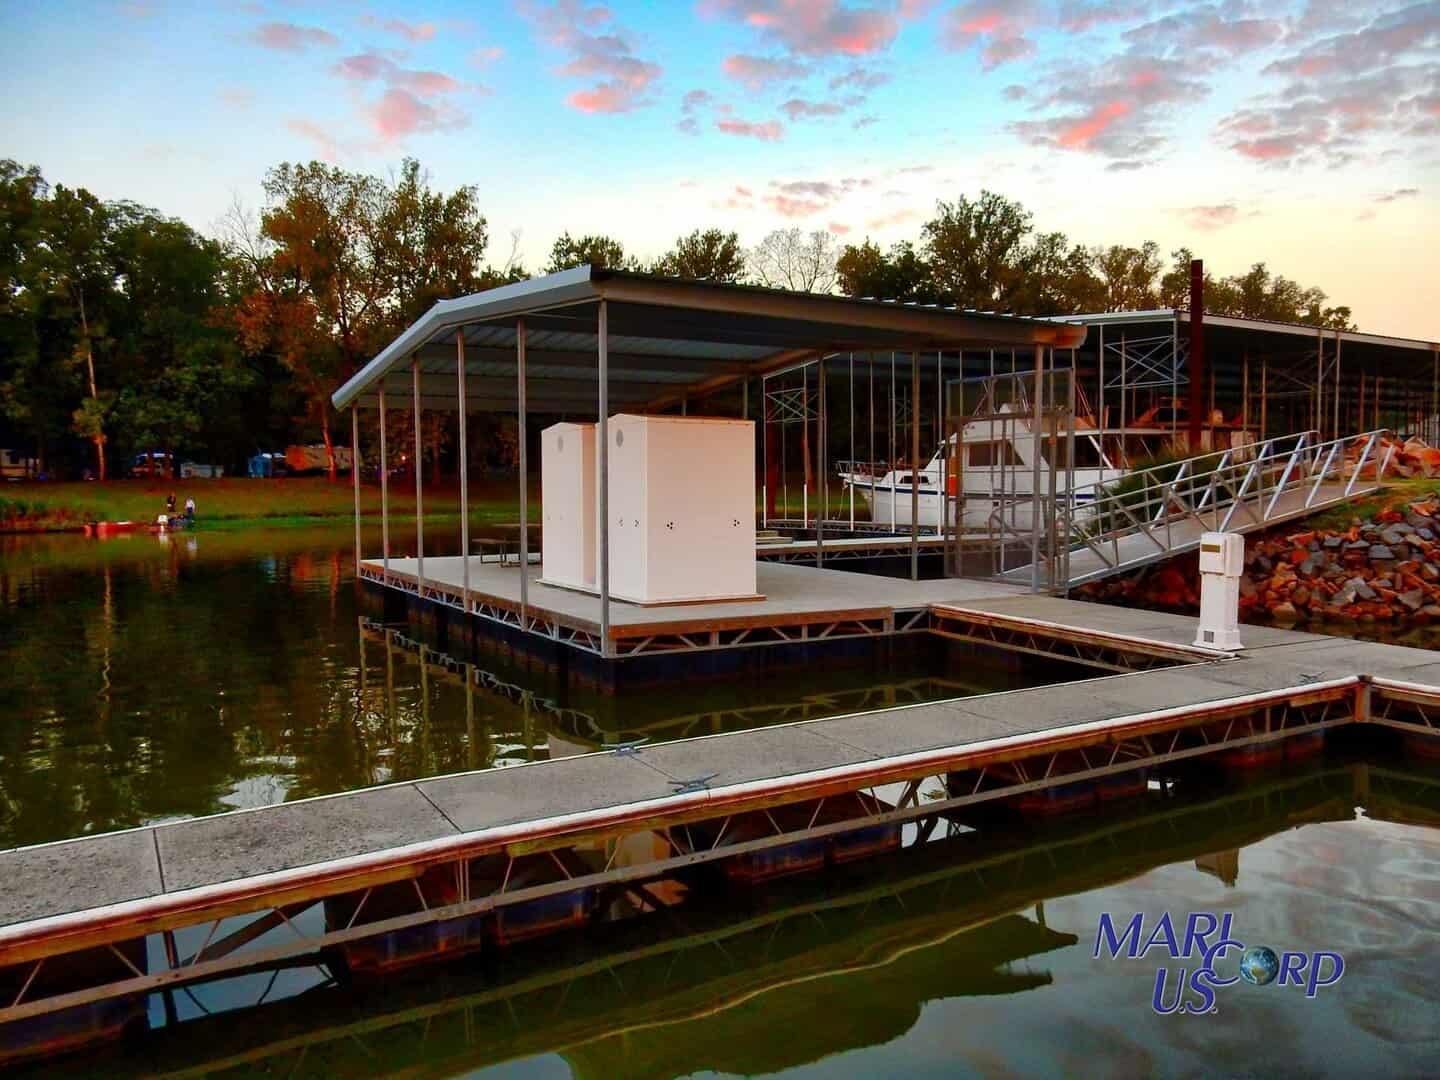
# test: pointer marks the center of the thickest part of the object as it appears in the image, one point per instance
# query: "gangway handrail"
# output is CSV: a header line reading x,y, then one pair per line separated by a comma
x,y
1210,490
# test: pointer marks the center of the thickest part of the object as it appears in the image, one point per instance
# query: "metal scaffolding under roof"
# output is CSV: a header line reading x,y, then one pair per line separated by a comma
x,y
666,337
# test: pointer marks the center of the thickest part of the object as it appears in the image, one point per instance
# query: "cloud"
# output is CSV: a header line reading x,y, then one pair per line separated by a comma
x,y
800,109
1209,218
371,66
236,97
898,217
998,26
741,198
1115,107
859,78
1398,194
864,122
623,79
485,57
288,37
325,144
411,32
399,113
1341,94
817,28
758,72
769,131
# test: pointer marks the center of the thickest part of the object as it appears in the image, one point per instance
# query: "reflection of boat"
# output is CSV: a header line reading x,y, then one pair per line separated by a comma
x,y
102,529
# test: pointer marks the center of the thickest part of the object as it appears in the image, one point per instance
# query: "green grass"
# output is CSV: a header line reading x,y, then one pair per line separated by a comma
x,y
33,507
1395,494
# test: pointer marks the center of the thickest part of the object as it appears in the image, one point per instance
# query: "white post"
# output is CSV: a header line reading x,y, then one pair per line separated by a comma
x,y
384,490
355,476
522,436
602,480
419,475
464,474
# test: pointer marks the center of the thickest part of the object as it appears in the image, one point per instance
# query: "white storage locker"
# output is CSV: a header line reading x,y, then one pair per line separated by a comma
x,y
682,508
567,505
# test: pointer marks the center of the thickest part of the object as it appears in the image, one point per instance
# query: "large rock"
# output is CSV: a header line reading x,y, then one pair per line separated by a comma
x,y
1379,552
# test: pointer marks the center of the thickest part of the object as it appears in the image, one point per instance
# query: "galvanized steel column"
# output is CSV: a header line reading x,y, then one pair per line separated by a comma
x,y
914,466
355,476
522,433
419,480
464,473
384,489
1035,468
602,479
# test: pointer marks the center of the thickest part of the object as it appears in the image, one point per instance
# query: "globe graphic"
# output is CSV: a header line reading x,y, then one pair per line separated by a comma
x,y
1259,965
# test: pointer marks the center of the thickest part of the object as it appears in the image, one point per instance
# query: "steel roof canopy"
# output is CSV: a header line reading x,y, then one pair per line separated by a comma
x,y
666,337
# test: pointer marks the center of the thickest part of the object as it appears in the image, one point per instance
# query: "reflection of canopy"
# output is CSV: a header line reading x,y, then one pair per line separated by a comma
x,y
861,990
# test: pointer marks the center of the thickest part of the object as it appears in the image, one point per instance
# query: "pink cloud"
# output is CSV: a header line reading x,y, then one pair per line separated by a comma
x,y
757,72
325,144
1273,148
899,217
998,26
622,78
1079,134
799,109
371,66
399,113
486,56
818,27
288,37
837,228
769,131
785,206
411,32
1209,218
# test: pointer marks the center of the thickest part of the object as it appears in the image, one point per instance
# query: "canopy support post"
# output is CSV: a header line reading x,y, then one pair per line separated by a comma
x,y
602,480
419,480
522,438
914,466
464,473
355,476
384,491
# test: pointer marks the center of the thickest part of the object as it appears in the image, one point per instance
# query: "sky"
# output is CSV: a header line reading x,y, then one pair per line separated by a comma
x,y
1301,133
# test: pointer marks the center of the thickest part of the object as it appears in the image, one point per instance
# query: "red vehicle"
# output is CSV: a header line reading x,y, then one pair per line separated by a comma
x,y
154,463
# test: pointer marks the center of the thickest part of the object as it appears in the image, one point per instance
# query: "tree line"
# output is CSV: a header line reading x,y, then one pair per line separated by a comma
x,y
123,330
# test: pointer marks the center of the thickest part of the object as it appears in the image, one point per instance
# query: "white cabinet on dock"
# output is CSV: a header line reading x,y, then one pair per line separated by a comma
x,y
682,508
567,502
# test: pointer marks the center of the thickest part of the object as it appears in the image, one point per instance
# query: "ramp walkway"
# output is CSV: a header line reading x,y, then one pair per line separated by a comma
x,y
1160,512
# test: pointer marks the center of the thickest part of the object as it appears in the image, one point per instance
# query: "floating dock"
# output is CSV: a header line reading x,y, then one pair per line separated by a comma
x,y
458,859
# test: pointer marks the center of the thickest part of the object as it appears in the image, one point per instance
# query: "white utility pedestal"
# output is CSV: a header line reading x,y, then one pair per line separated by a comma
x,y
567,503
1222,561
682,508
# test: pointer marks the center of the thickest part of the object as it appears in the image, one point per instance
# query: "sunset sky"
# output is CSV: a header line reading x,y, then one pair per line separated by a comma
x,y
1303,134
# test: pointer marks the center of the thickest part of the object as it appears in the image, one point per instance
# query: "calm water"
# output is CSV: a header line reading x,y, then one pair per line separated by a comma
x,y
141,682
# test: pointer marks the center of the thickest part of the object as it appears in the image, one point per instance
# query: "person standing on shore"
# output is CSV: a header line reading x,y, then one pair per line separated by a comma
x,y
190,509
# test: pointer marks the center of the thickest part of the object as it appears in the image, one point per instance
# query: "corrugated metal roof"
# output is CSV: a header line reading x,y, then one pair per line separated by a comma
x,y
665,336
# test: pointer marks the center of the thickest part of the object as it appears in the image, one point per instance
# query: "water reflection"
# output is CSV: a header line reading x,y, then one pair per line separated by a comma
x,y
144,681
956,955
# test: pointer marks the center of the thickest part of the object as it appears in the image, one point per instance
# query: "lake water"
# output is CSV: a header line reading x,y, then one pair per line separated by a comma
x,y
141,682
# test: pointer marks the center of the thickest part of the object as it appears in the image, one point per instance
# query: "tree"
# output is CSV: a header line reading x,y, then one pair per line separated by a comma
x,y
711,255
976,250
75,268
790,259
1057,278
427,246
599,252
1129,276
1256,294
900,274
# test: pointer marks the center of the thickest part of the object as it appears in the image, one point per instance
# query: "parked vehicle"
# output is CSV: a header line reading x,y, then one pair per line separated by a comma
x,y
153,463
314,459
195,470
266,465
15,465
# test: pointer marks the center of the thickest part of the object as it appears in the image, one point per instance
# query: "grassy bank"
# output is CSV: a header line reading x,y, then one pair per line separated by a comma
x,y
235,503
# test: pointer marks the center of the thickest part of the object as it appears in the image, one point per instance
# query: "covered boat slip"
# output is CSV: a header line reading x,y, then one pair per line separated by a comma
x,y
588,344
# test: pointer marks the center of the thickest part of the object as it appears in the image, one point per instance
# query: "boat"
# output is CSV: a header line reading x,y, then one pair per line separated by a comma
x,y
102,529
992,478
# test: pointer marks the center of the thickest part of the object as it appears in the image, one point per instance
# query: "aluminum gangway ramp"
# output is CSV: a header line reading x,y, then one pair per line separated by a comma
x,y
1154,514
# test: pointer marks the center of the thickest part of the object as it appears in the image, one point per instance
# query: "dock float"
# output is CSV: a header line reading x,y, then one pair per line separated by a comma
x,y
457,859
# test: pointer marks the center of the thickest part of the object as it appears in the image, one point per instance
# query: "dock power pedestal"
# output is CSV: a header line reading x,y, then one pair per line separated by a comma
x,y
1222,561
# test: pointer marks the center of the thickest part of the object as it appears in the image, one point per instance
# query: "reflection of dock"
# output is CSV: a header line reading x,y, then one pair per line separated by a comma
x,y
938,921
447,847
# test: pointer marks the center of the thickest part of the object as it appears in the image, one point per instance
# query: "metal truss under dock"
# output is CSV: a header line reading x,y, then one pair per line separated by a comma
x,y
428,854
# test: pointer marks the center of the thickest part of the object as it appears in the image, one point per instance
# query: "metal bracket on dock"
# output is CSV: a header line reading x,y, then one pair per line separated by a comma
x,y
700,783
